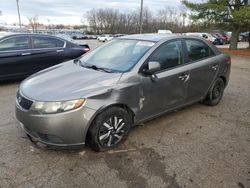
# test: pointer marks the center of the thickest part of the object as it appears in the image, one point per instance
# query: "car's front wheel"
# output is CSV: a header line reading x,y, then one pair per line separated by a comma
x,y
109,129
215,94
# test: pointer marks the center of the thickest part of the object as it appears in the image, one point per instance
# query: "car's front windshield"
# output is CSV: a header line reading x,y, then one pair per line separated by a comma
x,y
117,55
209,35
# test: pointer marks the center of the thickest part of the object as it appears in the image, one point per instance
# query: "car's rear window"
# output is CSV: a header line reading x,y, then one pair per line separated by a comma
x,y
47,42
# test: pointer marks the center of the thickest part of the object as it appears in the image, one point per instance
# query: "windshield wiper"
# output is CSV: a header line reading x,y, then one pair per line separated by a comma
x,y
97,68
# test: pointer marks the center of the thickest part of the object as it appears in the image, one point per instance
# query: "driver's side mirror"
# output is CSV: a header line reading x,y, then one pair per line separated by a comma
x,y
153,66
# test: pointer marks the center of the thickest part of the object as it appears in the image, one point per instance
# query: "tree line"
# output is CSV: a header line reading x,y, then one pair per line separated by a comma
x,y
111,21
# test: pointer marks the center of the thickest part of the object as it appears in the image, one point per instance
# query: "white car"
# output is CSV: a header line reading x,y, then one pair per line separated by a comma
x,y
104,38
208,37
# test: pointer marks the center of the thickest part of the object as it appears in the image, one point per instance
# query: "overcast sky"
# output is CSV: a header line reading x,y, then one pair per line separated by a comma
x,y
69,11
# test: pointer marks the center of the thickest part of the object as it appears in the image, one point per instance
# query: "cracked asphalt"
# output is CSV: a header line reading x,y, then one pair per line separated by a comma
x,y
198,146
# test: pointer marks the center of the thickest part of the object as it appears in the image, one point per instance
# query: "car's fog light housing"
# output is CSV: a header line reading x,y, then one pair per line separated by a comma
x,y
56,107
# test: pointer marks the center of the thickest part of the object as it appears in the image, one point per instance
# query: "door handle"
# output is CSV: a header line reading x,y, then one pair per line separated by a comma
x,y
184,77
25,54
59,50
215,67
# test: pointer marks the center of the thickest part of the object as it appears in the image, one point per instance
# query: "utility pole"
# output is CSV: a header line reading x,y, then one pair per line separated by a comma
x,y
141,16
18,11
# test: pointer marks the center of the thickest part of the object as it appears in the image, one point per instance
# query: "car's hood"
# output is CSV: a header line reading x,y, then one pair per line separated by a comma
x,y
67,81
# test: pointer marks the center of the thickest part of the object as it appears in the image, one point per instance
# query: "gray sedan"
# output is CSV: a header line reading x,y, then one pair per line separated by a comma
x,y
96,98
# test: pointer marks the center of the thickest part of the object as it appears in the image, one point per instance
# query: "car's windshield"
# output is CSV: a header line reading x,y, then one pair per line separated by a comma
x,y
117,55
209,35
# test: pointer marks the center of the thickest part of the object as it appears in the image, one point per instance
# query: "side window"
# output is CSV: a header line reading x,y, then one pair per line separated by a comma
x,y
15,43
197,50
168,55
47,42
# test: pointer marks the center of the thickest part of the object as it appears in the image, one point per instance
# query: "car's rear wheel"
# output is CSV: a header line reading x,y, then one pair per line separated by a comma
x,y
109,129
215,94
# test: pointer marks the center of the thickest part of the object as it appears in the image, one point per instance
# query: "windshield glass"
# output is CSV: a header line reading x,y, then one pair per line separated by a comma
x,y
117,55
209,35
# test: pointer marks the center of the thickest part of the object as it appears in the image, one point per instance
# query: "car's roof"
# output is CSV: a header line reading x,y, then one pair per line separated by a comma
x,y
154,37
22,34
158,37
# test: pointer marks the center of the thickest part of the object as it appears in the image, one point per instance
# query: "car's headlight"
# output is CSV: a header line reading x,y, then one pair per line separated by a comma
x,y
56,107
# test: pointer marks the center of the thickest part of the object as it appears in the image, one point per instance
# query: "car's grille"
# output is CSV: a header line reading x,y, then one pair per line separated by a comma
x,y
23,102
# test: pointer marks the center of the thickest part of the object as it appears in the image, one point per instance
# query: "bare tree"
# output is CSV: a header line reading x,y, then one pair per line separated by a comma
x,y
33,22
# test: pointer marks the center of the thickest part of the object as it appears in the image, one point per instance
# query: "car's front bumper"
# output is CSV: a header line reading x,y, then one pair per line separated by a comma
x,y
62,129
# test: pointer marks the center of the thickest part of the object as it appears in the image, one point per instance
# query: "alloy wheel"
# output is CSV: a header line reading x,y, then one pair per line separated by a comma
x,y
111,131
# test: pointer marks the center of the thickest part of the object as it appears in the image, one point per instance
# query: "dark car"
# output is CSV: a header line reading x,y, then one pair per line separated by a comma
x,y
218,40
222,38
127,81
244,36
24,54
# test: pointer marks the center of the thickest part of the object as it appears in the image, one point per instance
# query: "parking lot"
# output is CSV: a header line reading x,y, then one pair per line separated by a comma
x,y
198,146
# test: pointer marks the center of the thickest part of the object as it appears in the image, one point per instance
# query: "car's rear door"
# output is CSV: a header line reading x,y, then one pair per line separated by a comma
x,y
47,51
166,89
203,65
14,56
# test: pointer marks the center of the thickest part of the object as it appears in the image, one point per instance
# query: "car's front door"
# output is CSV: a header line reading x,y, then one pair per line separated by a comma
x,y
14,55
203,65
166,89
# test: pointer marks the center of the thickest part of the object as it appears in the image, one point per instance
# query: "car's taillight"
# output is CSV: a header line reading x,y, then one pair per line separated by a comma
x,y
229,60
85,50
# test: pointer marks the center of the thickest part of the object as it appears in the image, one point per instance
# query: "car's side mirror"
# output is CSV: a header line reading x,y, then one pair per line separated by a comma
x,y
153,66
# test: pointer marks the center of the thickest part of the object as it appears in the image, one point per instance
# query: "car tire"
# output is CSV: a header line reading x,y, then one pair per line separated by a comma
x,y
109,129
215,94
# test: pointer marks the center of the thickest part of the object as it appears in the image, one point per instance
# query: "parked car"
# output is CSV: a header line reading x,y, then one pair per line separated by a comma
x,y
244,36
118,35
91,37
24,54
228,38
218,40
104,38
208,37
222,38
77,36
97,98
225,35
65,37
68,38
